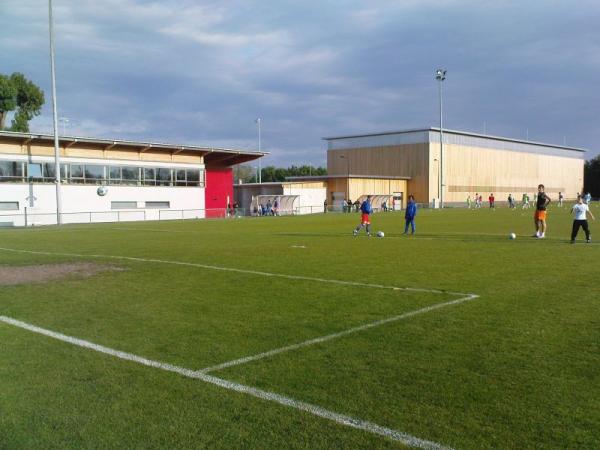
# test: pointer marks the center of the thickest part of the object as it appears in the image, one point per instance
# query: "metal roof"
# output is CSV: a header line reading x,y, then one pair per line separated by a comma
x,y
455,132
212,155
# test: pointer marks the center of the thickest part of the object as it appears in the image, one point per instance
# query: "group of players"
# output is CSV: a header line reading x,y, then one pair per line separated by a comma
x,y
580,210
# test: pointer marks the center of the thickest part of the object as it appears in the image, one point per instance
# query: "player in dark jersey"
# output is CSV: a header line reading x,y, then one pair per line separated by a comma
x,y
539,217
365,222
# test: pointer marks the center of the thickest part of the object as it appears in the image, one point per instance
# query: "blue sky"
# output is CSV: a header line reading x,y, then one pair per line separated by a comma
x,y
200,72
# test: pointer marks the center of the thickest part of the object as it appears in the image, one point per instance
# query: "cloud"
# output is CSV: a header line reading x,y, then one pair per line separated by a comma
x,y
200,72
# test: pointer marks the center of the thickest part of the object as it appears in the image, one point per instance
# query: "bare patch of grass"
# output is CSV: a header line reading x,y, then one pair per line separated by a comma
x,y
13,275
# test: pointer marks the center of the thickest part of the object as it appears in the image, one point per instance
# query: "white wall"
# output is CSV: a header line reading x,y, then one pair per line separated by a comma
x,y
81,203
310,200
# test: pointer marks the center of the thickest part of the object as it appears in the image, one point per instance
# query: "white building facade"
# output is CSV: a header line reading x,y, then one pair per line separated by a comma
x,y
101,181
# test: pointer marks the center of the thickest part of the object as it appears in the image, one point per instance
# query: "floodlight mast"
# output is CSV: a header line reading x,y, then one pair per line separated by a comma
x,y
55,118
440,75
258,121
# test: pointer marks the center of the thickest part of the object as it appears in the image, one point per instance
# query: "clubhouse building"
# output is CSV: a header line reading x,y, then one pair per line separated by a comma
x,y
106,180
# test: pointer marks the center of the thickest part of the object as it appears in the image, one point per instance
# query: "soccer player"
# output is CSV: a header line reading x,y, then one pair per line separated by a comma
x,y
409,215
581,209
365,222
541,202
560,198
491,199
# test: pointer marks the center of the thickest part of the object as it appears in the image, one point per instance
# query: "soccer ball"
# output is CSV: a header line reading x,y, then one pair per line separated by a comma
x,y
380,234
512,236
102,191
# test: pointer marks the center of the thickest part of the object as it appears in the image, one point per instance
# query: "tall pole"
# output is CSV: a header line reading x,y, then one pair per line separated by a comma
x,y
55,118
440,75
259,149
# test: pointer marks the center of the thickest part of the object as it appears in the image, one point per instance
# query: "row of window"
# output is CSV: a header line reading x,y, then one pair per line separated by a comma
x,y
14,206
97,174
134,205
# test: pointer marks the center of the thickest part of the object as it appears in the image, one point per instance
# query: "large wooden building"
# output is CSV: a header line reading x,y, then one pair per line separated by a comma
x,y
471,163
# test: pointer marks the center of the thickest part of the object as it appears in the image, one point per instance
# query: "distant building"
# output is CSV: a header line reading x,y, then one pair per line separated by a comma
x,y
108,180
472,163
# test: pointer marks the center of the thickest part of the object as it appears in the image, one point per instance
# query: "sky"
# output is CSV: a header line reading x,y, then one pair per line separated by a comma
x,y
201,72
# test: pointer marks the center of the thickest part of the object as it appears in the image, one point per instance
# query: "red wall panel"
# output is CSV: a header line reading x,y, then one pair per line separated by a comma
x,y
219,185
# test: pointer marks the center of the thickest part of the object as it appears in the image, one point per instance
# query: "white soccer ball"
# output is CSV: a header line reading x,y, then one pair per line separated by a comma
x,y
102,191
512,236
380,234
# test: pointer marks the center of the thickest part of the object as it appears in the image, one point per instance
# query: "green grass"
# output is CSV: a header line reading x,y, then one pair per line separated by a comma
x,y
515,368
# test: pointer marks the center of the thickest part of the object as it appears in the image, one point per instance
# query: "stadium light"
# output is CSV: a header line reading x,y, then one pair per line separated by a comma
x,y
55,117
258,120
440,75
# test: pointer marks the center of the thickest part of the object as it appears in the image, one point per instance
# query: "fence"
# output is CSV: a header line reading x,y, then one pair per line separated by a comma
x,y
37,219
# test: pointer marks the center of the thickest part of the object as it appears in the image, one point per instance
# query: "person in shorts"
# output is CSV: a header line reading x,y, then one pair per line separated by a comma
x,y
580,209
365,221
541,202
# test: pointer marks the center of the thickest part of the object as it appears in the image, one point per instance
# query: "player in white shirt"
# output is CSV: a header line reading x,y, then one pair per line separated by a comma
x,y
581,210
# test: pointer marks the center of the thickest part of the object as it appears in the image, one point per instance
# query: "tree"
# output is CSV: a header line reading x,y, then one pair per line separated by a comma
x,y
19,94
591,176
277,174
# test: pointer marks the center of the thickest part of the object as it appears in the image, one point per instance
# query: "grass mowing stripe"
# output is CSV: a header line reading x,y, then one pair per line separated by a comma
x,y
328,337
247,271
341,419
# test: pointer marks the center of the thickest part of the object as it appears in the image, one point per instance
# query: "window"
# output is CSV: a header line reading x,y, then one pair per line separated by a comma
x,y
193,177
11,171
94,174
49,172
34,170
123,205
9,206
130,175
76,171
155,205
149,176
163,177
114,175
180,177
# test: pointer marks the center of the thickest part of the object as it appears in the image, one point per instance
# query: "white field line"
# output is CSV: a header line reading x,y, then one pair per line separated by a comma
x,y
329,337
340,419
245,271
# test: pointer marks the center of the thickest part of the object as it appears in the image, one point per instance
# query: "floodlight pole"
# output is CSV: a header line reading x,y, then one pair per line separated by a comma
x,y
55,118
259,149
440,75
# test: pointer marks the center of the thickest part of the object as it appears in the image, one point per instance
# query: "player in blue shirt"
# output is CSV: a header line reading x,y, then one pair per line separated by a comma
x,y
365,209
410,214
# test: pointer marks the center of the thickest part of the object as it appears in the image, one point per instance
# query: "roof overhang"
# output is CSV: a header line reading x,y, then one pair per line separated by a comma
x,y
212,156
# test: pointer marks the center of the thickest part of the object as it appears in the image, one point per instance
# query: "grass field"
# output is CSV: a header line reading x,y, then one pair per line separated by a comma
x,y
290,333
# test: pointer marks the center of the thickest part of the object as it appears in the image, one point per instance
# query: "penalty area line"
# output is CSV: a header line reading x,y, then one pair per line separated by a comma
x,y
315,410
340,334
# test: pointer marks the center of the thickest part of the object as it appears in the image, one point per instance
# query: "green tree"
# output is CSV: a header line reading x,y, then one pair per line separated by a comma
x,y
19,94
591,176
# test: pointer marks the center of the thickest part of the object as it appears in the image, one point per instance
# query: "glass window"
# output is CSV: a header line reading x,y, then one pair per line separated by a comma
x,y
9,206
123,205
131,175
114,173
34,170
76,170
149,176
164,205
94,173
193,175
164,177
180,177
11,170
